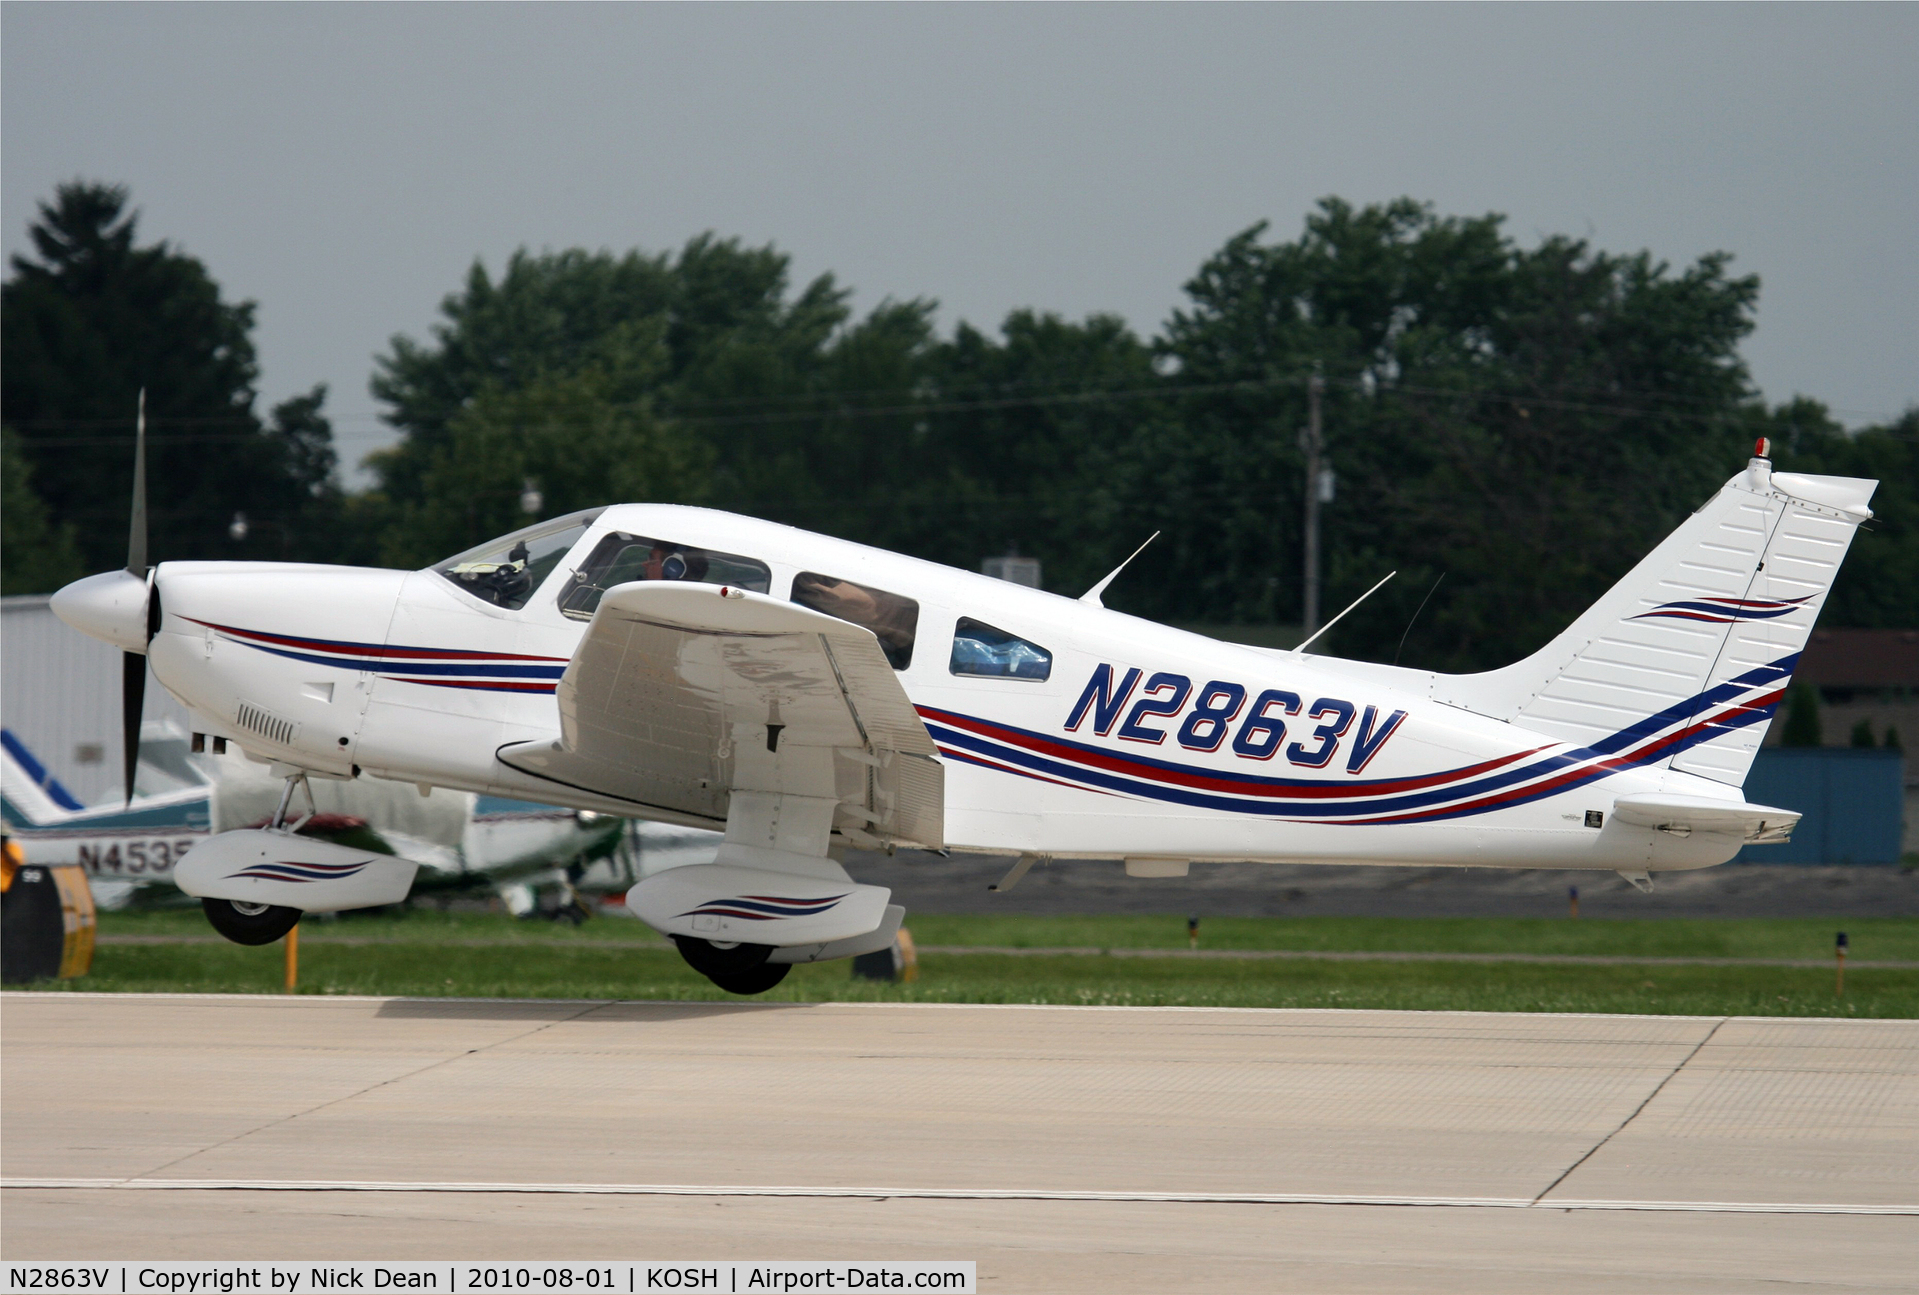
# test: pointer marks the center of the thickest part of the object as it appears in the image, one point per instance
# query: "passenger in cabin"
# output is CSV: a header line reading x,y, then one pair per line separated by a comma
x,y
893,619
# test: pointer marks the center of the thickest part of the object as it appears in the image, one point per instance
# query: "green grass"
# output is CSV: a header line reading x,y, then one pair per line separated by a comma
x,y
436,954
1889,938
399,924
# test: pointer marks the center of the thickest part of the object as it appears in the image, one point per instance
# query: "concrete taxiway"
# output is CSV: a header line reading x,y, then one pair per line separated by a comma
x,y
1061,1148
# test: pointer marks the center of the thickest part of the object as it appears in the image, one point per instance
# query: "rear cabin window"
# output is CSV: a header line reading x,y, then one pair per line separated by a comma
x,y
980,649
621,559
506,571
892,618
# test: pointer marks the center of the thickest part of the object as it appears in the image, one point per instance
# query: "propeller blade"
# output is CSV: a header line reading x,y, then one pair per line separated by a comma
x,y
133,697
137,526
133,666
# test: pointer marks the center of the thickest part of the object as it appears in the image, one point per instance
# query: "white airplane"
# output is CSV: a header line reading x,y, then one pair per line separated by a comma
x,y
805,694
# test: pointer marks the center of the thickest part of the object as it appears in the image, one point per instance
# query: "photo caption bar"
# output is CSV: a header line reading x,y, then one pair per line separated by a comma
x,y
473,1277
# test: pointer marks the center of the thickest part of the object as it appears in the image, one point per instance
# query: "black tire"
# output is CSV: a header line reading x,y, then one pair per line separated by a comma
x,y
263,926
756,981
712,960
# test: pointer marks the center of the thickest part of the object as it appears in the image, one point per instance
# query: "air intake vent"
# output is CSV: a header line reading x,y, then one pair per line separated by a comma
x,y
270,727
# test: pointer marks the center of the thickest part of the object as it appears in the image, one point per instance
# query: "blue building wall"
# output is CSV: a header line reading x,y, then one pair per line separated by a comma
x,y
1852,800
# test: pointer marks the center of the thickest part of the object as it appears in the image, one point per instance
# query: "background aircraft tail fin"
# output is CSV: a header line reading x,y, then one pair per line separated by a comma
x,y
1684,661
33,794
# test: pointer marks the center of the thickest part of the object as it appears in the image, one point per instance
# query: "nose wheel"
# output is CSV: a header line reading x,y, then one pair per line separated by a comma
x,y
245,923
736,968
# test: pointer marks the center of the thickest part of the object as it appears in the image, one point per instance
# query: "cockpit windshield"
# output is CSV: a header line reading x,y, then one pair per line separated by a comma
x,y
506,571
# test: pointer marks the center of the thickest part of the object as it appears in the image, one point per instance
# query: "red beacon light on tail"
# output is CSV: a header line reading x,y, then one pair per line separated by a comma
x,y
1762,448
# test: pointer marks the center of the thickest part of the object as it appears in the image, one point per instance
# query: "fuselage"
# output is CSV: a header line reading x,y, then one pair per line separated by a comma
x,y
1066,729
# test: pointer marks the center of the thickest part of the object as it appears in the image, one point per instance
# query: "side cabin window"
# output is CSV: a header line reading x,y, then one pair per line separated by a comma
x,y
980,649
506,571
621,558
892,618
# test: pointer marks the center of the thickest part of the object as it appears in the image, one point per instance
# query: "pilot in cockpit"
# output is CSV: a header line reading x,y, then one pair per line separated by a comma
x,y
666,563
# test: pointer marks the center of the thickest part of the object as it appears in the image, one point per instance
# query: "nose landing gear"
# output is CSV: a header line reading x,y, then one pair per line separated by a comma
x,y
245,923
250,923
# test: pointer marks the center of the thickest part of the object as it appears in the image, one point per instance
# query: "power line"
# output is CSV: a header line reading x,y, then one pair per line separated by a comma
x,y
925,408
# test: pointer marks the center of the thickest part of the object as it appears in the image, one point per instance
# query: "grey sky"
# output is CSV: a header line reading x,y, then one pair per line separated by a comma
x,y
343,164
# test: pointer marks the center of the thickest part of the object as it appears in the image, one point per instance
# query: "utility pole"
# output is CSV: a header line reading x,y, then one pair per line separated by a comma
x,y
1311,441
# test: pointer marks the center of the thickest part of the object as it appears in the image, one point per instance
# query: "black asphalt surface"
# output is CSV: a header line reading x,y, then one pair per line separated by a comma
x,y
926,883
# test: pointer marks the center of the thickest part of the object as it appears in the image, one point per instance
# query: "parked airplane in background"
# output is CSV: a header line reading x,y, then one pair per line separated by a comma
x,y
119,847
458,840
806,694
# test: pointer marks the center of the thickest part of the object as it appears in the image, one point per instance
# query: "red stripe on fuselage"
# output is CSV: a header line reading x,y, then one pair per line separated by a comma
x,y
494,685
375,651
1114,763
1611,764
973,757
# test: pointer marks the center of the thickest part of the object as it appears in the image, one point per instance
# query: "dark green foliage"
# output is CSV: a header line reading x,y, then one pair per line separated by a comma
x,y
1862,734
570,435
1802,717
659,367
1028,443
1892,738
1530,422
96,318
1878,588
36,555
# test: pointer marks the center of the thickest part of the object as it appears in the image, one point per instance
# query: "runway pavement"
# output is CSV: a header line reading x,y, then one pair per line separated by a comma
x,y
1061,1148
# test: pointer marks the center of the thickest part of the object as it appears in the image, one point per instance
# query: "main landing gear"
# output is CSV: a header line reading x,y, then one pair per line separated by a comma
x,y
736,968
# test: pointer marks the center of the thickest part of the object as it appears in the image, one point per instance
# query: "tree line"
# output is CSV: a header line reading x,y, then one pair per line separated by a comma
x,y
1524,422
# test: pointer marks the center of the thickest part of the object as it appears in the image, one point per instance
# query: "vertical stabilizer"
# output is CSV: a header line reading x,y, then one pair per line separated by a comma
x,y
1686,659
32,794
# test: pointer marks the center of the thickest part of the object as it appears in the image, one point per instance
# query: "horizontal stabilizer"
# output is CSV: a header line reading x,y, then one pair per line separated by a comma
x,y
1684,815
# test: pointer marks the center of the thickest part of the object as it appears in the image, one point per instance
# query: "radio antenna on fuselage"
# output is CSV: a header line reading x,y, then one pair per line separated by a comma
x,y
1091,596
1301,649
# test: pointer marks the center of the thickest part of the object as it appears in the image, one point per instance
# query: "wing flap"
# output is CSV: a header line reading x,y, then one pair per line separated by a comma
x,y
680,694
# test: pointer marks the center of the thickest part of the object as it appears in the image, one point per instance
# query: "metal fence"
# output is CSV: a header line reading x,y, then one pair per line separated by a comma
x,y
1853,801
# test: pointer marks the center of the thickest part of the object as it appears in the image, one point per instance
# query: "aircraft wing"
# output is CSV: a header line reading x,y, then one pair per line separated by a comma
x,y
681,695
